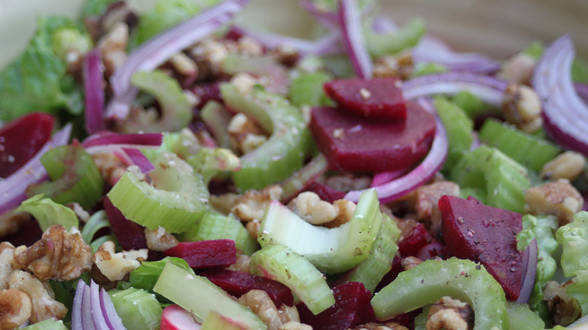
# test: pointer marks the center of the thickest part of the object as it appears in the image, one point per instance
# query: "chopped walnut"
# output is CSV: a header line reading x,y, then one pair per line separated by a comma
x,y
111,167
183,64
253,203
6,258
11,221
242,263
449,313
244,82
568,166
225,202
245,135
426,202
211,51
58,255
262,305
558,198
522,107
410,262
44,306
159,239
116,265
563,308
253,227
250,47
377,326
311,208
518,69
394,67
252,142
288,314
293,325
345,210
118,12
113,47
15,308
346,182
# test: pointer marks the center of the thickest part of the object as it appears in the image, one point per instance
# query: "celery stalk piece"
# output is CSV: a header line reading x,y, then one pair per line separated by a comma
x,y
528,150
75,177
307,89
433,279
294,271
183,143
50,324
332,250
176,201
49,213
217,118
425,69
379,262
522,318
285,150
137,308
459,130
294,184
215,321
215,226
148,273
97,221
199,296
391,43
209,162
472,105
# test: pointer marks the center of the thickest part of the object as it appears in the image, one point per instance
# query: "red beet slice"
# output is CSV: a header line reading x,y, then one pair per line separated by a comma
x,y
206,254
351,143
486,234
325,192
21,139
378,98
414,241
238,283
130,235
352,307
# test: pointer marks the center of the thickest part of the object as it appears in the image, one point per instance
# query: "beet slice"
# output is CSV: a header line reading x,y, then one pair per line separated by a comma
x,y
239,283
21,139
351,143
486,234
415,240
205,254
325,192
130,235
378,98
352,307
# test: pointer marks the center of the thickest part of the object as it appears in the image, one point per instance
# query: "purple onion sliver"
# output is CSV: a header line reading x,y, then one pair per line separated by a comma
x,y
529,272
582,90
76,310
137,158
98,318
93,92
112,319
144,140
385,177
326,18
352,32
87,322
383,25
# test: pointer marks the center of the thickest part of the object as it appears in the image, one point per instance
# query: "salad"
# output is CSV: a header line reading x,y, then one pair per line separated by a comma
x,y
173,169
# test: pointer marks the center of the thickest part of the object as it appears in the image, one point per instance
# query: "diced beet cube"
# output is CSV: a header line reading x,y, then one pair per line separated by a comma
x,y
357,144
205,254
486,234
378,98
352,307
416,239
325,192
129,235
238,283
392,274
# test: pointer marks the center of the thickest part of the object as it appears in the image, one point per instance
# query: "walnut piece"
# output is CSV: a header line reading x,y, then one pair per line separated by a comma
x,y
449,314
377,326
15,308
159,239
410,262
253,227
346,182
400,66
183,64
293,325
263,306
245,135
426,202
568,166
253,203
6,258
345,210
288,314
113,47
518,69
558,198
111,167
58,255
116,265
242,263
564,308
44,306
311,208
522,107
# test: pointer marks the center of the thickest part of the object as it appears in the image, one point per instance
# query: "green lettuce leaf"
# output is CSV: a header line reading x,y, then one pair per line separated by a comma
x,y
49,213
147,274
573,238
95,7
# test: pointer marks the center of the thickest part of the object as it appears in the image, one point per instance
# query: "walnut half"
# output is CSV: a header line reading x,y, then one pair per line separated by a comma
x,y
44,306
15,308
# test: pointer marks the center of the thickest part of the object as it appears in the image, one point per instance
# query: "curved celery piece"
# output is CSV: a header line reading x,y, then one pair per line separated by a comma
x,y
295,183
209,162
199,296
573,238
68,40
217,118
215,226
522,318
49,213
285,150
183,143
75,177
528,150
425,69
137,308
175,107
472,105
294,271
391,43
50,324
147,274
459,130
177,199
332,250
215,321
307,89
97,221
433,279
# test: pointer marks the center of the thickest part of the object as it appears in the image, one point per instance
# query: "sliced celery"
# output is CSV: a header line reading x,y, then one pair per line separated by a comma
x,y
528,150
199,296
137,308
148,273
49,213
294,184
217,118
433,279
391,43
284,152
472,105
459,130
50,324
97,221
75,177
307,89
183,143
332,250
425,69
522,318
371,271
176,201
214,226
294,271
209,162
215,321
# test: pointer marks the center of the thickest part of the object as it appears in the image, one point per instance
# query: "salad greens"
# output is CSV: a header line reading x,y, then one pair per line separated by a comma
x,y
49,213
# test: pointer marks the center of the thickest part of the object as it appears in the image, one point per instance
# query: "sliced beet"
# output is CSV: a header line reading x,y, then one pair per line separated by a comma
x,y
352,307
414,240
206,254
351,143
238,283
130,235
378,98
325,192
485,234
21,139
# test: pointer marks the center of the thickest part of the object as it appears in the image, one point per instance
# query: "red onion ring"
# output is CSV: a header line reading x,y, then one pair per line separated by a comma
x,y
98,318
430,50
76,310
112,319
124,140
385,177
327,18
582,90
529,272
137,158
352,32
87,322
93,309
94,92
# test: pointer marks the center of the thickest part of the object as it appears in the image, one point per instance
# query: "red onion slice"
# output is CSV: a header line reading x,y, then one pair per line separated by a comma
x,y
431,51
124,140
582,90
383,25
137,158
529,272
87,322
12,189
112,319
97,314
385,177
94,92
421,174
352,32
327,18
76,310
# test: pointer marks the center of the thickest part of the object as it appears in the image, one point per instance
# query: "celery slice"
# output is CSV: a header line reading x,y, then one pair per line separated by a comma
x,y
433,279
49,213
50,324
522,318
209,162
137,308
425,69
183,143
391,43
178,199
285,150
217,118
472,105
294,184
307,89
528,150
75,177
459,130
294,271
148,273
215,321
199,296
97,221
332,250
215,226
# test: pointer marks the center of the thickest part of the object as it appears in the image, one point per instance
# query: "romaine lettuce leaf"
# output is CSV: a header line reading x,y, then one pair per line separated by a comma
x,y
95,7
573,238
49,213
